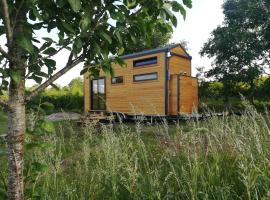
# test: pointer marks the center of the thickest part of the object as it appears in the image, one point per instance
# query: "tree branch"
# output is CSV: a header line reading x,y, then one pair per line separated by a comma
x,y
16,16
39,89
6,20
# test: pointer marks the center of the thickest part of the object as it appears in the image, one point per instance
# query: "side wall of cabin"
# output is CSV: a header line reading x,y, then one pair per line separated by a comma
x,y
179,64
142,97
188,94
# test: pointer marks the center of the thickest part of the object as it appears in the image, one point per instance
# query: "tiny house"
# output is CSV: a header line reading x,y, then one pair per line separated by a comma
x,y
155,82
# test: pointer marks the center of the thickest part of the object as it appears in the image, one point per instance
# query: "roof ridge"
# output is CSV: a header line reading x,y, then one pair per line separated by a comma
x,y
151,51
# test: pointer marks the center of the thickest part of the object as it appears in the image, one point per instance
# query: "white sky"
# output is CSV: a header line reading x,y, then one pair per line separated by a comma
x,y
201,20
205,16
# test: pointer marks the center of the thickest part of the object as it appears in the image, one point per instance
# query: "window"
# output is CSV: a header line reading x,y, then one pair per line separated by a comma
x,y
147,61
98,94
145,77
117,80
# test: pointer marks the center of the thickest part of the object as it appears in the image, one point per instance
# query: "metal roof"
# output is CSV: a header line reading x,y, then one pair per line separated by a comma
x,y
153,51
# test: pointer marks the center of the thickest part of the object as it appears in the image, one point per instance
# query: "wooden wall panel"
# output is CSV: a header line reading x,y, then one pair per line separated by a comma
x,y
188,94
179,50
195,94
145,97
179,65
173,95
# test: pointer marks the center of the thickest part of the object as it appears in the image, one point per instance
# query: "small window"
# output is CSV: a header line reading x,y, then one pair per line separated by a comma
x,y
145,77
117,80
147,61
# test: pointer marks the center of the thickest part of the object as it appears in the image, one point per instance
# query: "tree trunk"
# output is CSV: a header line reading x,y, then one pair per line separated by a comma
x,y
15,138
16,113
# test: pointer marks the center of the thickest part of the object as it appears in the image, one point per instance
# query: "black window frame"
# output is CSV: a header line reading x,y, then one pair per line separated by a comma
x,y
116,82
152,79
135,62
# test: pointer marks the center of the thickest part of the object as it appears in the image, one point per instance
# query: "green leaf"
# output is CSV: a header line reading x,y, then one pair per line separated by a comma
x,y
120,61
50,63
47,106
3,152
176,7
119,37
85,22
45,45
48,39
37,79
2,30
26,44
39,167
75,5
174,21
106,36
188,3
48,127
50,51
84,71
68,27
16,76
97,48
77,45
121,51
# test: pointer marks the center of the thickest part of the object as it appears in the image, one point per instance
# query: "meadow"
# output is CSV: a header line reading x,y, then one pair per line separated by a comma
x,y
219,158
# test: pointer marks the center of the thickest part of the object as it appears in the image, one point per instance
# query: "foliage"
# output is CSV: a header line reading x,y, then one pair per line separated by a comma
x,y
68,98
241,45
3,122
157,37
91,31
221,158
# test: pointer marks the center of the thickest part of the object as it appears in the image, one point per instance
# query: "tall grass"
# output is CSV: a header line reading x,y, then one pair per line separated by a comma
x,y
221,158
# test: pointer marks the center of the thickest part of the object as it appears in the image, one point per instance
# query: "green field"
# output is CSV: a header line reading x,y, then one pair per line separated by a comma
x,y
221,158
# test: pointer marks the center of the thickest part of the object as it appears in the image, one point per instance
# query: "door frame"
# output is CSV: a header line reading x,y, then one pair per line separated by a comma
x,y
91,92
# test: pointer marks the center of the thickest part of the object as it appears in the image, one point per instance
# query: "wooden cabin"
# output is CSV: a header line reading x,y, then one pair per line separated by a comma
x,y
155,82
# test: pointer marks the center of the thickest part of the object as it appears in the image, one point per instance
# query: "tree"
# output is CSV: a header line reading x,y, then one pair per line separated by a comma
x,y
241,45
157,37
76,86
89,30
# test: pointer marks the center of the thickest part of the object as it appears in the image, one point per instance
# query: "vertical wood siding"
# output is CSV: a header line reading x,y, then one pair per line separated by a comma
x,y
144,97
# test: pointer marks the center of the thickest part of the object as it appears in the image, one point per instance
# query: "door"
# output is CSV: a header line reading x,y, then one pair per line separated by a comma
x,y
98,94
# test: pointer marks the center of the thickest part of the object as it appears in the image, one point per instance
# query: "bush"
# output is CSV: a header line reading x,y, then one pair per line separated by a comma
x,y
68,98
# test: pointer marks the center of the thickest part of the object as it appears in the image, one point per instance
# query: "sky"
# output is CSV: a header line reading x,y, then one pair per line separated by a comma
x,y
201,20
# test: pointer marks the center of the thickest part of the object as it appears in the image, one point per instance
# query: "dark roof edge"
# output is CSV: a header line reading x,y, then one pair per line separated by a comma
x,y
153,51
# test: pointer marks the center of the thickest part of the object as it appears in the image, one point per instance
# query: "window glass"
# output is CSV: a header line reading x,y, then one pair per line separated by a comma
x,y
147,61
95,86
101,86
117,80
98,94
145,77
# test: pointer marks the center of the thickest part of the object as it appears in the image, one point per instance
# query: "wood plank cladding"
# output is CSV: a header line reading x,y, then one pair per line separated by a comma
x,y
188,92
179,65
173,98
142,97
167,95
